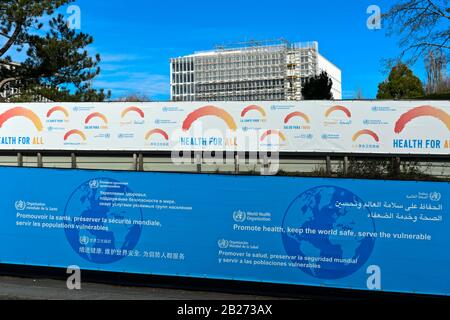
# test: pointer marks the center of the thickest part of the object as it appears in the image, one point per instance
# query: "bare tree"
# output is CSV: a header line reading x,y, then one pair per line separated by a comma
x,y
423,26
359,94
135,97
436,67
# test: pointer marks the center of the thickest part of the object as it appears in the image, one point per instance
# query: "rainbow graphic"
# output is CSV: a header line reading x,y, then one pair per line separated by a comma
x,y
75,132
133,109
273,132
296,114
21,112
366,132
338,108
209,111
58,109
254,108
423,111
157,132
94,116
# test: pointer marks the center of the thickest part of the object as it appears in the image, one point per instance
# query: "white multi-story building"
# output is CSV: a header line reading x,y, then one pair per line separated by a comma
x,y
255,72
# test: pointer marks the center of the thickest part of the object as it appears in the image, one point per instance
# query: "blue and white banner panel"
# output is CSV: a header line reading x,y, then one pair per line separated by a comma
x,y
360,234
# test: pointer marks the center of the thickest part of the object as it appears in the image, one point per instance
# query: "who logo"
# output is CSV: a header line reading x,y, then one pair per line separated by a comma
x,y
435,196
223,244
94,184
20,205
239,216
84,240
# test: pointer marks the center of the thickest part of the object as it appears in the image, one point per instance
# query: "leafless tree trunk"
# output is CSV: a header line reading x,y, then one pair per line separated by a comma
x,y
436,67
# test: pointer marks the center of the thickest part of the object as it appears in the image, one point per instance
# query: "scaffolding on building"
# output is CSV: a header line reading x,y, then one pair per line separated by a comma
x,y
245,71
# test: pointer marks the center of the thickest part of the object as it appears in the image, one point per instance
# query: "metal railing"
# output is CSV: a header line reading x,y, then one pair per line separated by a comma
x,y
308,165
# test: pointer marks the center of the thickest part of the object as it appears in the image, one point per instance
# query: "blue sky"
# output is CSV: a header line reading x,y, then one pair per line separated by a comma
x,y
136,38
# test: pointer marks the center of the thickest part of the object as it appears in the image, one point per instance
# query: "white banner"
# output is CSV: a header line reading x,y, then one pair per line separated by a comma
x,y
387,127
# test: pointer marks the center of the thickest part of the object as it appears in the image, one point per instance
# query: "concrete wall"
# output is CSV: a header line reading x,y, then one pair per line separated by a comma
x,y
335,73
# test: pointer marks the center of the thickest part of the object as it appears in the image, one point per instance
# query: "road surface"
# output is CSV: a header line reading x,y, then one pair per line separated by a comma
x,y
12,288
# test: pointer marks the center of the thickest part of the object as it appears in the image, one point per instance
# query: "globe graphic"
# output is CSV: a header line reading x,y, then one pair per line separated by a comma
x,y
105,232
335,255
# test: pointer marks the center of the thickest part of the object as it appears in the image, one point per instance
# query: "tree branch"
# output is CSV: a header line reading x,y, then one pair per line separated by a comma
x,y
438,10
428,44
11,40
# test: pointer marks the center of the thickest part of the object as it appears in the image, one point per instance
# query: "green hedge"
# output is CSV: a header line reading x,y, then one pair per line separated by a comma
x,y
436,96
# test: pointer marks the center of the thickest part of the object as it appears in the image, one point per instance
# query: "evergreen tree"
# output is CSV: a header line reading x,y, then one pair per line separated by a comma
x,y
318,87
57,64
401,84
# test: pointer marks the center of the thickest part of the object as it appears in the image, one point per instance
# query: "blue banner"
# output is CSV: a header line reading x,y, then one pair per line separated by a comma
x,y
353,234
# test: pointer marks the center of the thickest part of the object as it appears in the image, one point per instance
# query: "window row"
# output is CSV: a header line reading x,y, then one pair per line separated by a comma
x,y
181,66
183,89
241,69
247,85
256,97
183,77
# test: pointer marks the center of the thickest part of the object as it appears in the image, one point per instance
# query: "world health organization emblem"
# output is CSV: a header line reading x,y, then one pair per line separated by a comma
x,y
20,205
435,196
239,216
94,184
223,244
